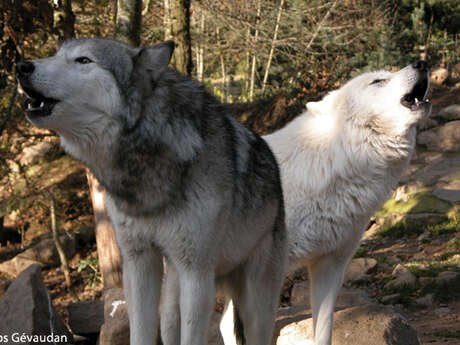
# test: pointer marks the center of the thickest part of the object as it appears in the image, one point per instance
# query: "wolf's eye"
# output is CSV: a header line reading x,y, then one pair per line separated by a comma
x,y
83,60
378,81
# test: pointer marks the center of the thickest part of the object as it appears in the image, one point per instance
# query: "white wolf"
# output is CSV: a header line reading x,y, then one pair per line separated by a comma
x,y
339,162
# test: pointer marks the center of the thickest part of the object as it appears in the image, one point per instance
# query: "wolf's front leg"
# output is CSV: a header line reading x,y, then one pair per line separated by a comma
x,y
196,301
326,277
170,308
142,275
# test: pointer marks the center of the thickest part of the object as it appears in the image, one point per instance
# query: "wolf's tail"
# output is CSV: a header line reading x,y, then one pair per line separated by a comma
x,y
239,328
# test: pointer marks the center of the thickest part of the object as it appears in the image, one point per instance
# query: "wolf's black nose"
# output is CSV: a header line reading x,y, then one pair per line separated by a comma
x,y
25,68
420,65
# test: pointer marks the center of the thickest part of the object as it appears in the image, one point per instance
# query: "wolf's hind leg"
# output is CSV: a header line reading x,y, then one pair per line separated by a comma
x,y
142,275
170,308
326,277
256,301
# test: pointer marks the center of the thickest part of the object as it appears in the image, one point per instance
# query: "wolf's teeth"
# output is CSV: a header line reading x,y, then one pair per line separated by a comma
x,y
416,100
42,104
29,106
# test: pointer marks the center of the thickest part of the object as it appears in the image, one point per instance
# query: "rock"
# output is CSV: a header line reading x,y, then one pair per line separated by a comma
x,y
115,330
81,312
391,299
402,276
46,253
446,276
439,75
26,308
450,113
358,267
43,253
4,283
426,280
448,191
32,154
364,325
445,138
16,265
426,300
347,297
443,311
424,237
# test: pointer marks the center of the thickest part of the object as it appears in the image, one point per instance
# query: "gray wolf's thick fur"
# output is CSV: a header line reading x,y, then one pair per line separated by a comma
x,y
184,181
339,162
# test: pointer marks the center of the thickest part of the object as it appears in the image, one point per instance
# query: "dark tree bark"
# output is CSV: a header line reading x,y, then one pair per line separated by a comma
x,y
128,21
64,19
179,30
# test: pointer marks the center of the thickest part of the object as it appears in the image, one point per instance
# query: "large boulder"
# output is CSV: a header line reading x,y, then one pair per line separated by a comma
x,y
27,315
43,253
363,325
445,138
115,330
82,312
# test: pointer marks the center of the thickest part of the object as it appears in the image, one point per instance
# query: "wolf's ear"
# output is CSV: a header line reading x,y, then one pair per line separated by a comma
x,y
322,106
156,56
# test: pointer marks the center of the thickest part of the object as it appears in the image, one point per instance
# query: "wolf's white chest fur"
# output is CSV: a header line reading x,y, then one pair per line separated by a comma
x,y
332,183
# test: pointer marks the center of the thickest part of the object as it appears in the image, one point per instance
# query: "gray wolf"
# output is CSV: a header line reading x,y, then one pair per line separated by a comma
x,y
339,162
185,182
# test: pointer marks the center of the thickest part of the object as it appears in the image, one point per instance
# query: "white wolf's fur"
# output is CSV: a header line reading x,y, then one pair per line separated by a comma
x,y
339,162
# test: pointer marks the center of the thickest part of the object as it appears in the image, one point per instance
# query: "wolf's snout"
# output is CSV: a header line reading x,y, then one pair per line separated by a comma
x,y
420,65
24,68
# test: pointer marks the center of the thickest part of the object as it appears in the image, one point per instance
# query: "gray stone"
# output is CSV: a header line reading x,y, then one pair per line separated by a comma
x,y
391,299
426,280
402,276
445,138
446,276
86,318
448,191
449,113
16,265
364,325
358,267
426,300
26,308
43,253
4,283
115,330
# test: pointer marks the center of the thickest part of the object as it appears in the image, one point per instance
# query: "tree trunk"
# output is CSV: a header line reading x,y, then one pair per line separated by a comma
x,y
167,20
272,49
200,50
180,32
107,249
254,61
128,21
64,19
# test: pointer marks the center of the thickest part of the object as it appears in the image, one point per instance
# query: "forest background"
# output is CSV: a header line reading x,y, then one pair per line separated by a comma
x,y
252,54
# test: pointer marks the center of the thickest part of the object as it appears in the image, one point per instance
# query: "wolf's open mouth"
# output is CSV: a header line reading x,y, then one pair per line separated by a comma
x,y
37,104
417,97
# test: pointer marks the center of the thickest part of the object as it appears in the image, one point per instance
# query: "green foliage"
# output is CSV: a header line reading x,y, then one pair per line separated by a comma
x,y
94,276
413,228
